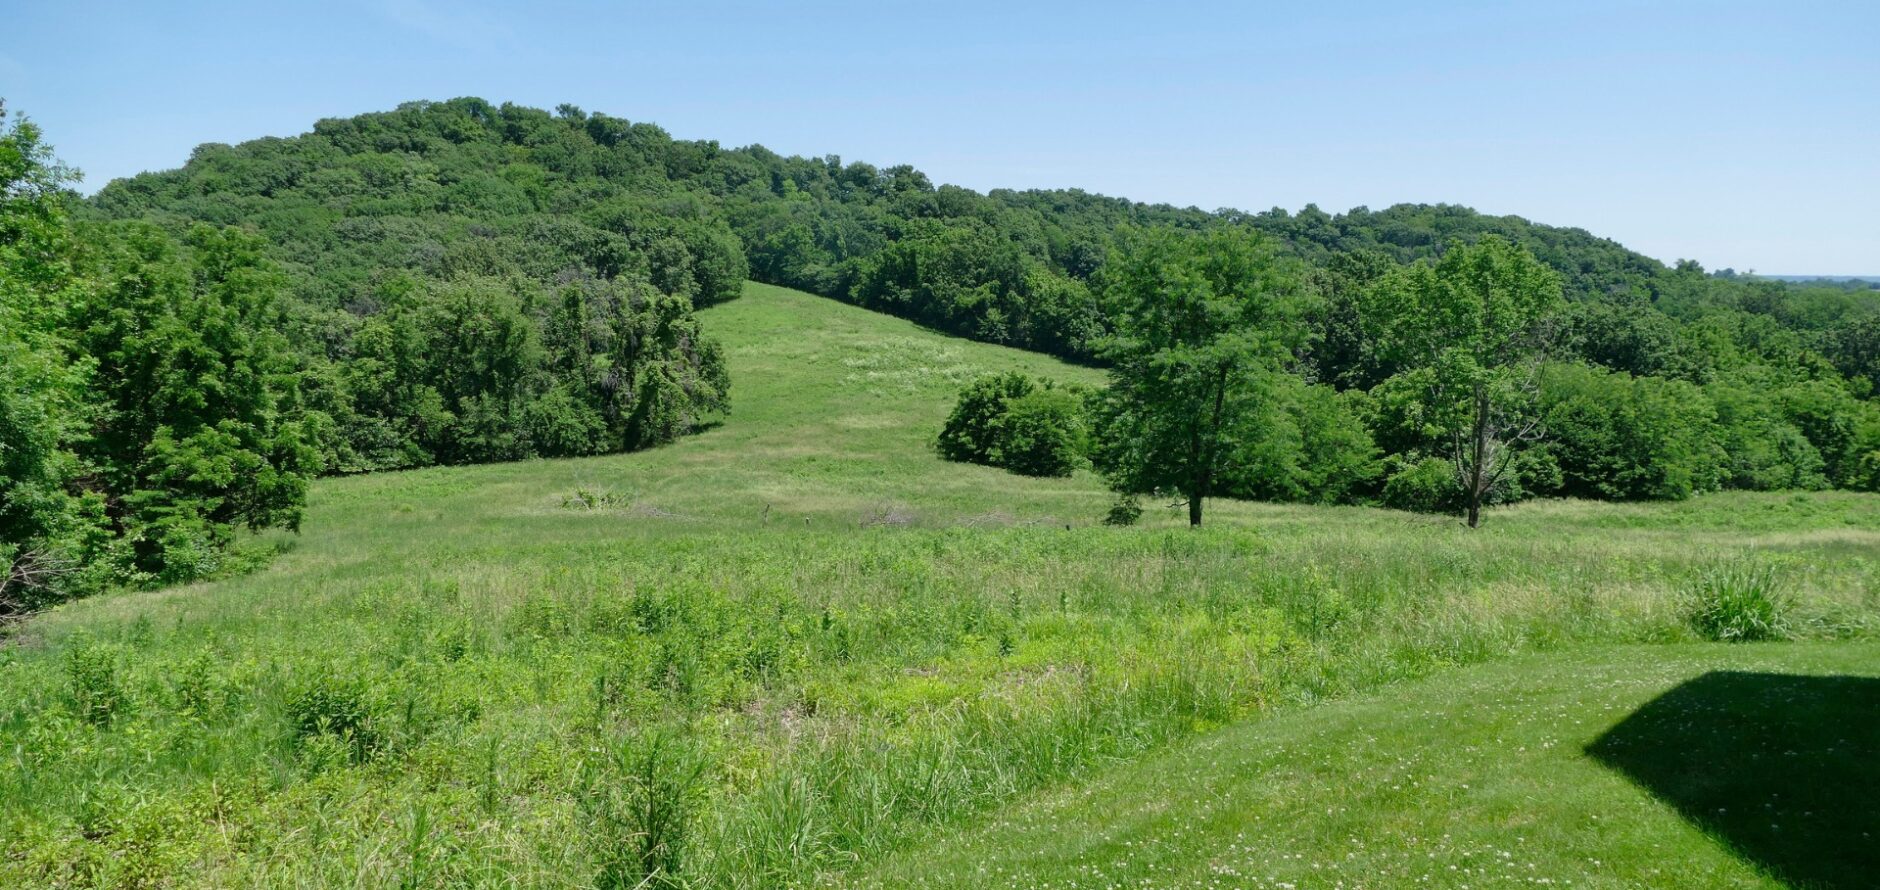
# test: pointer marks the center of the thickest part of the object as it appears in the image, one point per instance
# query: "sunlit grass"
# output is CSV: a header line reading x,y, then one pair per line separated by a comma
x,y
1570,770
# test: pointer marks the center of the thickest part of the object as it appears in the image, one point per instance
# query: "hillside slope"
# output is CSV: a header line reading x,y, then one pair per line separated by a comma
x,y
833,413
464,676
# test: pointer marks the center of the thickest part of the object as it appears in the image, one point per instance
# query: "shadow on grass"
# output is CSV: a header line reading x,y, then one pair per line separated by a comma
x,y
1785,769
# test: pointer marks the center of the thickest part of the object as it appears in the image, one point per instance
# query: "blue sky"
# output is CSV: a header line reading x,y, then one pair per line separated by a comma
x,y
1741,134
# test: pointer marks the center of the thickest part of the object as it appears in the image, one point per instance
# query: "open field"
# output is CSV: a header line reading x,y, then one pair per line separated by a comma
x,y
787,650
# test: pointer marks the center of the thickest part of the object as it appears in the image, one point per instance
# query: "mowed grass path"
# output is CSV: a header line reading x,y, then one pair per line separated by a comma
x,y
443,681
1667,766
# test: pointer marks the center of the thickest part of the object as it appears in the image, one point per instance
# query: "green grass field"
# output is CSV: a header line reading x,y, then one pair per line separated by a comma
x,y
1746,766
800,649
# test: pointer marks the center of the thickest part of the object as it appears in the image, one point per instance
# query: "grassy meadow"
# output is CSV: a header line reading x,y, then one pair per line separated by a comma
x,y
799,649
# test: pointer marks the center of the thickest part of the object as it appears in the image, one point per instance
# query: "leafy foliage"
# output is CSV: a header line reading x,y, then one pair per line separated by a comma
x,y
471,283
401,292
852,693
641,801
1035,428
1204,322
1619,437
456,282
150,406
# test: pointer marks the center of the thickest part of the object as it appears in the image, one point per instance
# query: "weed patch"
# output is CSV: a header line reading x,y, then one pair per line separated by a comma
x,y
1741,604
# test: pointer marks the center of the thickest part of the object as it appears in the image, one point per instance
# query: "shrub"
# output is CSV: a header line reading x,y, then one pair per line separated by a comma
x,y
1426,486
597,499
1042,433
339,710
1126,511
972,431
1740,604
1035,428
97,694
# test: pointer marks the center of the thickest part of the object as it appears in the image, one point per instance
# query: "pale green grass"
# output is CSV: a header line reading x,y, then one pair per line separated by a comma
x,y
865,643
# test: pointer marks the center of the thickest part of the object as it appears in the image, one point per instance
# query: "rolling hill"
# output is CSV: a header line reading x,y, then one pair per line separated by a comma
x,y
798,647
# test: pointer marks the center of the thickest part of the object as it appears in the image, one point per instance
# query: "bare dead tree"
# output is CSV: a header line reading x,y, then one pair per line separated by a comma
x,y
28,571
1482,450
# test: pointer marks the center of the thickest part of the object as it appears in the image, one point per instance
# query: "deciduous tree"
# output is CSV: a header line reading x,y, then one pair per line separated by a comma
x,y
1203,323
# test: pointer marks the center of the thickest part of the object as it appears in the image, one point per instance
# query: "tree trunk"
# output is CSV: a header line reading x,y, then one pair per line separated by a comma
x,y
1204,471
1478,469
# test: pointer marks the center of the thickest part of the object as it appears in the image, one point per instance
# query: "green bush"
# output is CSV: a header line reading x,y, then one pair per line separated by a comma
x,y
1126,511
1426,486
1741,604
341,711
1035,428
1042,433
97,693
972,429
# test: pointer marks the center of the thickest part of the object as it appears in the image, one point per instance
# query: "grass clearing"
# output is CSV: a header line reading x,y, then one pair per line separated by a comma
x,y
453,676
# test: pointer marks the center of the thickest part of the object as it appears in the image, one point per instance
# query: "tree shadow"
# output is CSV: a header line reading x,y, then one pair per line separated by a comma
x,y
1784,769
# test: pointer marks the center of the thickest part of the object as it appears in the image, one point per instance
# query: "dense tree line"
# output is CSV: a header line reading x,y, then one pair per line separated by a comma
x,y
181,354
1770,384
460,281
440,189
149,407
1456,382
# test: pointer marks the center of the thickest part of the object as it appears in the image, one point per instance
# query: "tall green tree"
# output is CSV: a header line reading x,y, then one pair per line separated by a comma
x,y
197,430
1204,322
1476,327
41,385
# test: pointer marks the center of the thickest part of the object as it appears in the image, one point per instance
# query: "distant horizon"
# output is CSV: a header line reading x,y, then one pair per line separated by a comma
x,y
1731,132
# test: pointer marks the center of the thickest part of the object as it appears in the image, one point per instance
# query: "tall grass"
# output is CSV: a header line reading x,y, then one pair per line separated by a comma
x,y
1741,603
742,710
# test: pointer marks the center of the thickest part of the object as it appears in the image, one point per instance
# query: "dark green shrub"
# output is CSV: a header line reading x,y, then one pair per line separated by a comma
x,y
1042,433
971,433
1126,511
1036,428
1740,604
1426,486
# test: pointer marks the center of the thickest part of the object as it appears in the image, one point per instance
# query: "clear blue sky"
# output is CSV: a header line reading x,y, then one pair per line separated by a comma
x,y
1742,134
